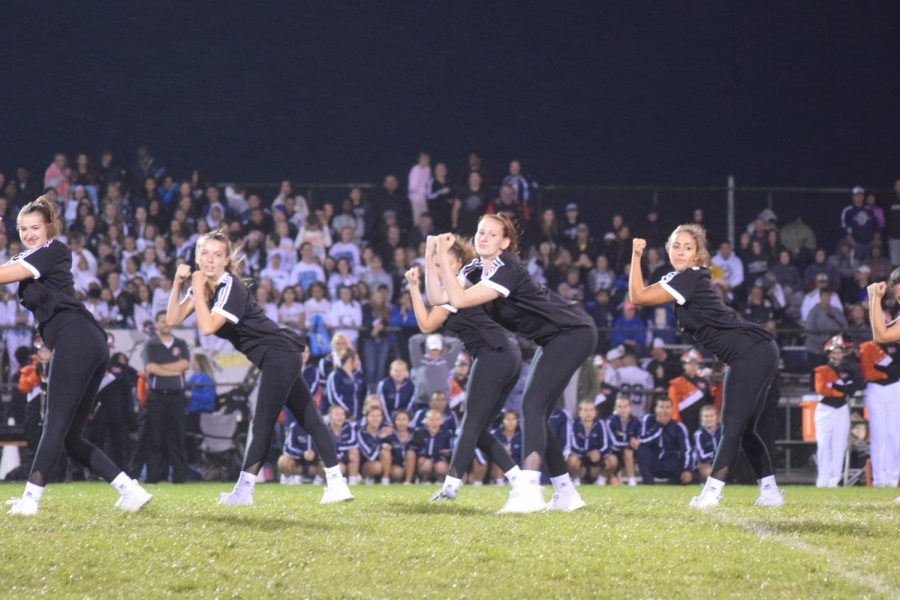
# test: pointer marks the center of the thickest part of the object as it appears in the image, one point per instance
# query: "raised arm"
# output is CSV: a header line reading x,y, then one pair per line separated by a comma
x,y
637,292
177,311
460,298
207,322
434,291
881,332
429,320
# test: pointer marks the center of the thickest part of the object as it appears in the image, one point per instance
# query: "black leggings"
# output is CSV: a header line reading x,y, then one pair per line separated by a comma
x,y
76,369
551,370
281,384
747,382
493,376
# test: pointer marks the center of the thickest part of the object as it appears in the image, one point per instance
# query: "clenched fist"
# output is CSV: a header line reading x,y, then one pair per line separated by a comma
x,y
637,246
182,273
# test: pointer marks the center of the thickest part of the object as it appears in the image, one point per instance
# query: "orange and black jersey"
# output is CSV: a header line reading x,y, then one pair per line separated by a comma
x,y
833,385
688,396
878,362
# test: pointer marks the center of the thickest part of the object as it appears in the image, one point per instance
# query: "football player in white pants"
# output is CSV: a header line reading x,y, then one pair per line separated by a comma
x,y
832,414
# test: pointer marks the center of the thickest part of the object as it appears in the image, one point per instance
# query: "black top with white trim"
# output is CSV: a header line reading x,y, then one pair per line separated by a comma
x,y
50,295
701,313
525,306
246,325
475,329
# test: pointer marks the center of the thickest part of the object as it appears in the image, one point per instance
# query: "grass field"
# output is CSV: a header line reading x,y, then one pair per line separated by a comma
x,y
391,543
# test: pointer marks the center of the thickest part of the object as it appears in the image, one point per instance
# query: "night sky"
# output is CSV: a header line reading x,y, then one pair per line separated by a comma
x,y
583,92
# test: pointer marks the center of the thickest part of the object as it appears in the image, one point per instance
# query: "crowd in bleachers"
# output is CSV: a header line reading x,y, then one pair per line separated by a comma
x,y
334,270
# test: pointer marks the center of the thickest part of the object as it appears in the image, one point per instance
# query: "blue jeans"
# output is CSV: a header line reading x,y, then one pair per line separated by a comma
x,y
375,357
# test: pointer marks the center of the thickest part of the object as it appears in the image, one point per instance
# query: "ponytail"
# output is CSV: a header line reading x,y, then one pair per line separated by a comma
x,y
44,206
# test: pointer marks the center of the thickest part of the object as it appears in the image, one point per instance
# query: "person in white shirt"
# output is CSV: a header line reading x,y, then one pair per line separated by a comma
x,y
375,276
811,299
342,276
290,312
308,271
417,188
346,247
345,315
317,303
730,264
275,272
315,232
636,383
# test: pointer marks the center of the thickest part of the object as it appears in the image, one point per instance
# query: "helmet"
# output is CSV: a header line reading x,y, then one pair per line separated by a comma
x,y
691,356
834,343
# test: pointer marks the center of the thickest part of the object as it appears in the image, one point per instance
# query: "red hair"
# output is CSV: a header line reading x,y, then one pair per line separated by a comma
x,y
510,231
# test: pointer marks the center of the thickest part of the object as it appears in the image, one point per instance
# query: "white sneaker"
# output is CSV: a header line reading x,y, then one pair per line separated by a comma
x,y
24,506
236,499
368,481
134,499
568,502
353,479
771,498
385,481
704,501
317,480
600,481
336,491
524,498
443,494
632,481
897,500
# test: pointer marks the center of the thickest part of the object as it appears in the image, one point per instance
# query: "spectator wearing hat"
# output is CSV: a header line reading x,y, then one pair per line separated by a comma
x,y
570,222
823,322
859,223
661,365
613,364
814,297
690,391
583,248
432,358
854,292
834,384
459,378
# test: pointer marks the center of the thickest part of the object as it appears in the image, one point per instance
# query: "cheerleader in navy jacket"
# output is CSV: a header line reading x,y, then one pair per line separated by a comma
x,y
748,349
493,374
566,336
225,308
78,363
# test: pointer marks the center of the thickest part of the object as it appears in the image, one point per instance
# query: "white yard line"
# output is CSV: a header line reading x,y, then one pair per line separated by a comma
x,y
838,565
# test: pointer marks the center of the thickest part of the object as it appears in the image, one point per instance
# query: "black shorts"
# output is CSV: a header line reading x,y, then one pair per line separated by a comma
x,y
587,461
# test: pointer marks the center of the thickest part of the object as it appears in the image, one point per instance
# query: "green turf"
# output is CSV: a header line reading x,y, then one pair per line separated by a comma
x,y
391,543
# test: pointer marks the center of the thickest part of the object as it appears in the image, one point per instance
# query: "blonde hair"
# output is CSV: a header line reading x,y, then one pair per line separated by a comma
x,y
220,235
44,206
699,235
204,364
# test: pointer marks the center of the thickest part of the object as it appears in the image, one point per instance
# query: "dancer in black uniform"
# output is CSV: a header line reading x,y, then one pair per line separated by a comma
x,y
748,349
79,359
494,373
564,332
226,309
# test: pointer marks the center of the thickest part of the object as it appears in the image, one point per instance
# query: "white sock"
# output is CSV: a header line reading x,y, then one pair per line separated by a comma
x,y
767,484
452,483
331,472
713,486
563,483
33,491
500,481
122,482
245,483
527,477
513,474
478,482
